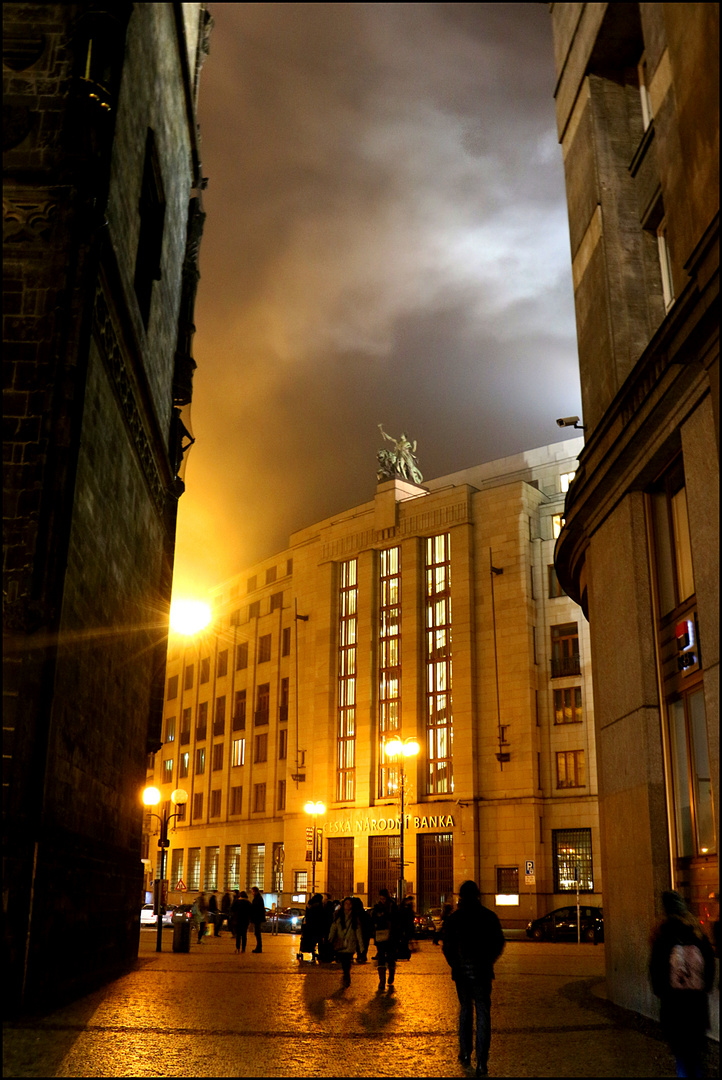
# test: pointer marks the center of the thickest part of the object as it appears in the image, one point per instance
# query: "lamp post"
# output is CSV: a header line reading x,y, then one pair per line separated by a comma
x,y
151,797
398,751
314,808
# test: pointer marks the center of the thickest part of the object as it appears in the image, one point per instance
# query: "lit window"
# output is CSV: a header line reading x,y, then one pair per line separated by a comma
x,y
644,98
170,729
439,719
389,665
168,770
239,752
566,479
346,722
571,769
572,860
557,523
665,264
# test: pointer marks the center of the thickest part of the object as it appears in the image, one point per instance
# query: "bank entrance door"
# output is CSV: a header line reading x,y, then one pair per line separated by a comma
x,y
384,865
435,868
340,867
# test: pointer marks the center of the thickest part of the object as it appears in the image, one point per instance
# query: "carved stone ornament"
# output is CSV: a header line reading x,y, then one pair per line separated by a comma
x,y
28,219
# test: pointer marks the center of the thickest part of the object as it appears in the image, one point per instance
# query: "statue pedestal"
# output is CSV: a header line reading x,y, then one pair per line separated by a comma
x,y
388,494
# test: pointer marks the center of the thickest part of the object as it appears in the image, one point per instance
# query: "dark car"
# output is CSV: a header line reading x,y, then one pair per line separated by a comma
x,y
182,913
423,926
289,920
561,925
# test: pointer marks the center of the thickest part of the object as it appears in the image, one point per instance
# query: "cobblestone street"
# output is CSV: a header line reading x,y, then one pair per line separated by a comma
x,y
212,1013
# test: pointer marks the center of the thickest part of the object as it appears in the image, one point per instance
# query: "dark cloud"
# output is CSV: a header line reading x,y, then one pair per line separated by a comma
x,y
386,241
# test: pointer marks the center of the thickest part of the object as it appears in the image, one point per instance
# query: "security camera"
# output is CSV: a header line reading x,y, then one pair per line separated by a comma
x,y
569,421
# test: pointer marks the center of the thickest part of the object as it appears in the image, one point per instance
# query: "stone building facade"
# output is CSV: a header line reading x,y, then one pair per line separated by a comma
x,y
101,224
430,612
637,102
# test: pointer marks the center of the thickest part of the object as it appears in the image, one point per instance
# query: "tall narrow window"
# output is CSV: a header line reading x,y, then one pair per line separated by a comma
x,y
233,866
389,663
439,720
150,237
565,650
194,869
239,711
176,868
347,636
212,860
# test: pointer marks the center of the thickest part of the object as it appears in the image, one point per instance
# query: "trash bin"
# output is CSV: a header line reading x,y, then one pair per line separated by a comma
x,y
182,935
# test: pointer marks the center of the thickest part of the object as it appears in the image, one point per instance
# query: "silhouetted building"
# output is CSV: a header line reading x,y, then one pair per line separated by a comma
x,y
430,612
101,225
638,116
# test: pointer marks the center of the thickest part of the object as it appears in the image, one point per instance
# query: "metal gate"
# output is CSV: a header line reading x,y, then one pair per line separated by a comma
x,y
435,869
340,867
384,865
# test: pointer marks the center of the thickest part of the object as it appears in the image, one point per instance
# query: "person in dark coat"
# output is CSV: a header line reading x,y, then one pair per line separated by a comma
x,y
364,920
258,915
406,928
240,918
213,912
681,970
473,942
385,923
313,929
225,911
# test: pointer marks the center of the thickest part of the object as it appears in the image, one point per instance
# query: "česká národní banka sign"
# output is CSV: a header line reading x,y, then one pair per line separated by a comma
x,y
387,824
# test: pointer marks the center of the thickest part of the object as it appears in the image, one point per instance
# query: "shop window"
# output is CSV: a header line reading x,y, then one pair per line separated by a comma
x,y
693,796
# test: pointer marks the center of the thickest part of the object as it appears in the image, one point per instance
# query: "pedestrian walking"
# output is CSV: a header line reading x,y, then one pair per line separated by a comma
x,y
345,938
199,913
213,912
364,919
681,970
225,911
473,942
406,928
313,928
445,912
385,922
258,915
240,918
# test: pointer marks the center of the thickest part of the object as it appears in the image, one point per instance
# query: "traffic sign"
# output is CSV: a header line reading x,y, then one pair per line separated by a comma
x,y
181,886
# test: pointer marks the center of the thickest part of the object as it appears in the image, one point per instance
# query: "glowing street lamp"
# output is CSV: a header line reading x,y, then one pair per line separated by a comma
x,y
151,797
314,808
398,751
188,617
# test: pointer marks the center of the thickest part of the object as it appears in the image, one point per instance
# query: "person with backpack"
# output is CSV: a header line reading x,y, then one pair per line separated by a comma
x,y
681,971
473,942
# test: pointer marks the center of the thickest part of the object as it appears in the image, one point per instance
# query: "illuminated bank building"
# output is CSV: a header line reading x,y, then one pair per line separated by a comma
x,y
430,613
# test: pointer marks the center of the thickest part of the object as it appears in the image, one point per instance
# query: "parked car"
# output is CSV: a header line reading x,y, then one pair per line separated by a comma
x,y
423,926
561,925
290,919
148,917
182,913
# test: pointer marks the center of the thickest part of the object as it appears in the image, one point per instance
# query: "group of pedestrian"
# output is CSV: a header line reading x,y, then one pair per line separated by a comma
x,y
681,965
238,911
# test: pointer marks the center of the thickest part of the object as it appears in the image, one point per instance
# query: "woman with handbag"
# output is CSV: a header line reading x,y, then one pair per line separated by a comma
x,y
345,937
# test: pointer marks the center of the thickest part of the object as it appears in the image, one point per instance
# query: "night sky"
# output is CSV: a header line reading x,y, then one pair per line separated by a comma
x,y
386,242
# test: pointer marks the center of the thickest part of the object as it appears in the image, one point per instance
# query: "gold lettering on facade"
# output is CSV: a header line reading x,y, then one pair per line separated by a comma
x,y
370,824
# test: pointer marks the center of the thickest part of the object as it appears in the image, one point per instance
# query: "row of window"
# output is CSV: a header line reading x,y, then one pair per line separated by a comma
x,y
264,653
261,715
187,871
238,756
571,863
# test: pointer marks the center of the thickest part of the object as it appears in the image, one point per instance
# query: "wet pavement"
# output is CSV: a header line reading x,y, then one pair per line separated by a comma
x,y
213,1013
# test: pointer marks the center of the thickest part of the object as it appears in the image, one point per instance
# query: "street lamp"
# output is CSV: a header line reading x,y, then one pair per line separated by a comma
x,y
314,808
398,751
151,797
